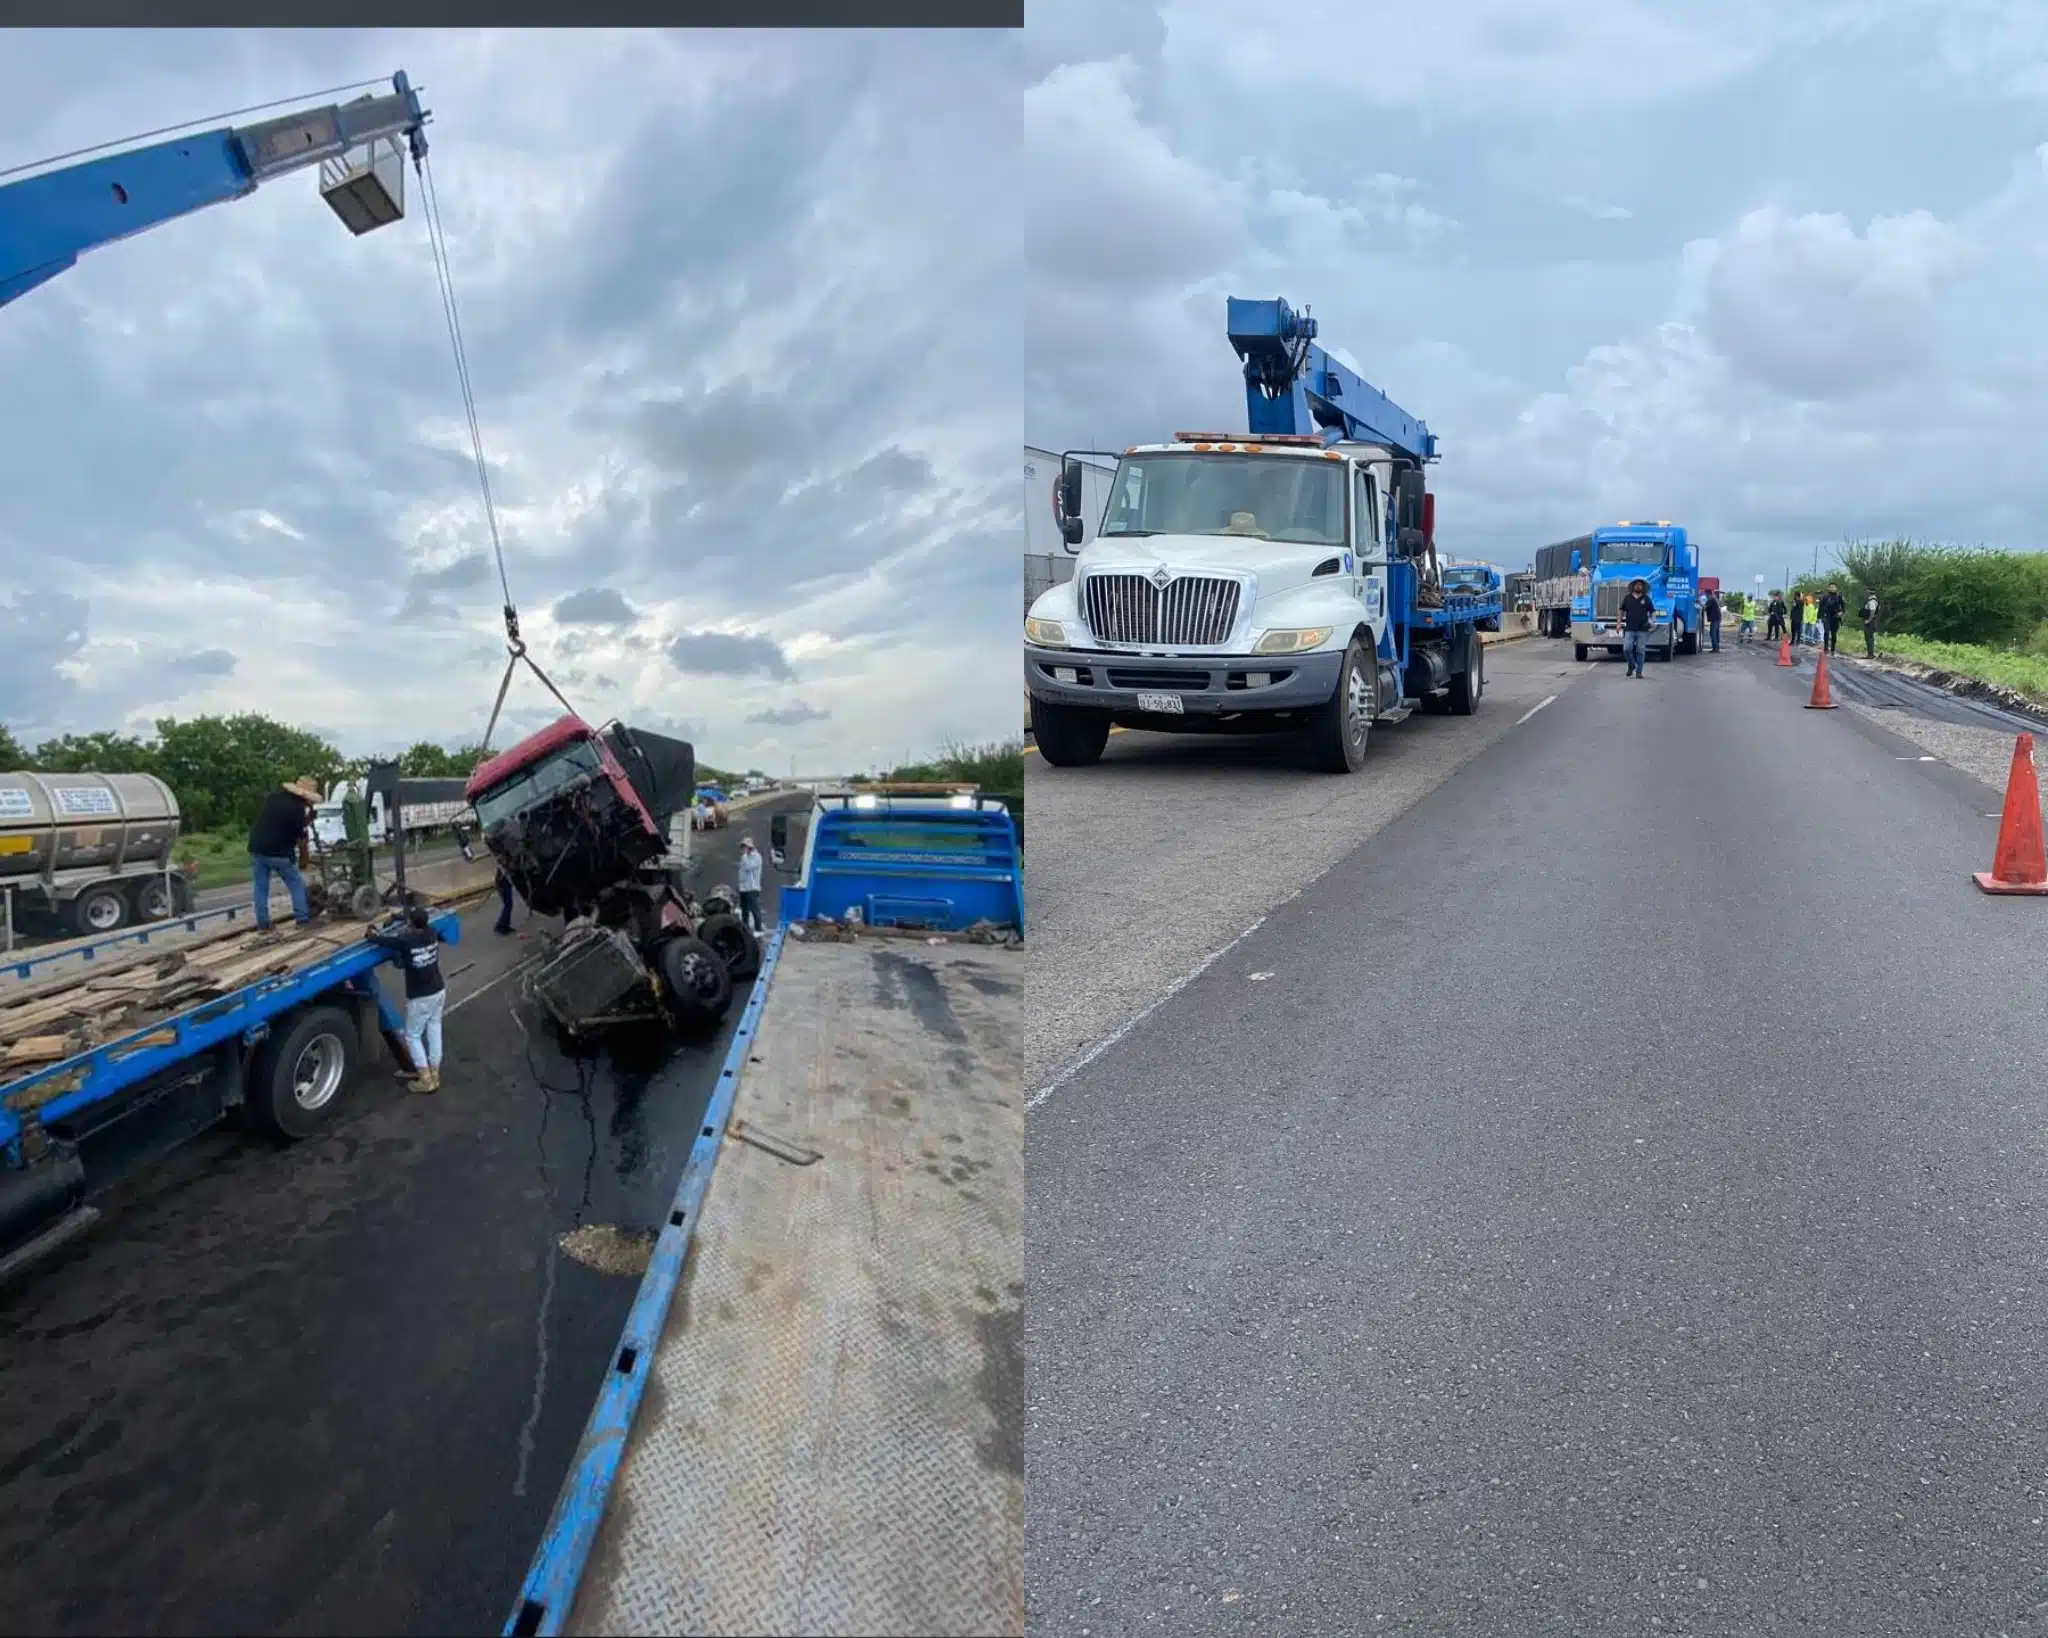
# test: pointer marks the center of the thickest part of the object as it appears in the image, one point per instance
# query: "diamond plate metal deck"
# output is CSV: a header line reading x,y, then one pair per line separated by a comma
x,y
831,1439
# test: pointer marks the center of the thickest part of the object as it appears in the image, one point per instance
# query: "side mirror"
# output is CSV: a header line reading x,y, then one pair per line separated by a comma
x,y
1575,563
1408,492
1413,542
1072,525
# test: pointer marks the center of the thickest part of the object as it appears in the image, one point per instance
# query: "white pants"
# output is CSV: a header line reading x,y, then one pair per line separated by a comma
x,y
423,1029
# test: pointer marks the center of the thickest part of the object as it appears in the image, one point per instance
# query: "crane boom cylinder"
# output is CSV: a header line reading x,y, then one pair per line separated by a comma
x,y
1294,386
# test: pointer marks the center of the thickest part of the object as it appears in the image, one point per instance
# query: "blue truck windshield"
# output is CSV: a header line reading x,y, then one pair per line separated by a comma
x,y
1643,553
1261,497
530,785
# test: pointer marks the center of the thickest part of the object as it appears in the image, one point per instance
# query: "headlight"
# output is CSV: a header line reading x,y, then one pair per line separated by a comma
x,y
1292,642
1045,633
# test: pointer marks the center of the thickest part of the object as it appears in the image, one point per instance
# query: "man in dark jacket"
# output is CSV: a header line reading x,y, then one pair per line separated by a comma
x,y
1713,614
1832,606
1638,613
1870,624
279,834
1777,614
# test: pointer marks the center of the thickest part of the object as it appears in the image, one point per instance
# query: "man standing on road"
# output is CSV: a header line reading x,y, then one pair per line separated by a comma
x,y
1713,613
1809,628
1831,609
750,883
1637,611
504,887
1745,632
278,834
1870,624
1778,616
418,949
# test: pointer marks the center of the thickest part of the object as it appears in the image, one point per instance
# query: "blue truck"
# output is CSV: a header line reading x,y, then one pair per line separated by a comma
x,y
1657,553
1284,579
114,1051
813,1421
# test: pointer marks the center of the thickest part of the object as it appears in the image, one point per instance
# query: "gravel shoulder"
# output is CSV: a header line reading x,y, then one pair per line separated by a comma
x,y
1143,866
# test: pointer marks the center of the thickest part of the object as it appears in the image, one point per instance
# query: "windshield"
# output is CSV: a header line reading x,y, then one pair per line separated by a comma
x,y
1648,553
530,785
1261,497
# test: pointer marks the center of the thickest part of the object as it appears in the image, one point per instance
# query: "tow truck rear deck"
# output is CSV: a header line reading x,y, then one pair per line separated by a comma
x,y
825,1357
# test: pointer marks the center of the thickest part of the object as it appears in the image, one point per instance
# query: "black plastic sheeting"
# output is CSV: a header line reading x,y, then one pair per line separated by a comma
x,y
663,770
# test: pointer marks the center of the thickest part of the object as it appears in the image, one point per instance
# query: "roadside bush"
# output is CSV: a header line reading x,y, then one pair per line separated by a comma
x,y
1978,598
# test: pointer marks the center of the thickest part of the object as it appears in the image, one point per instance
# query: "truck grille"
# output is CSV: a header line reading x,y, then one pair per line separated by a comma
x,y
1127,608
1607,598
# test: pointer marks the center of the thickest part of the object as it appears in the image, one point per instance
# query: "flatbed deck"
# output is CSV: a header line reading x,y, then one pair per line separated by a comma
x,y
830,1439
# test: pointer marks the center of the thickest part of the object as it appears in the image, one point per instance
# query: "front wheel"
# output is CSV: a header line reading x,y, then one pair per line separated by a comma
x,y
1338,729
1068,736
699,987
1579,651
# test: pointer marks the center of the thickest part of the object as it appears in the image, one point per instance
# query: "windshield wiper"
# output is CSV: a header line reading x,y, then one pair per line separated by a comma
x,y
1123,534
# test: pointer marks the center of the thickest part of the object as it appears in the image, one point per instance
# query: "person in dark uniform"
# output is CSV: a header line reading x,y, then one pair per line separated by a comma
x,y
1870,624
277,847
1777,615
1832,607
1713,613
504,886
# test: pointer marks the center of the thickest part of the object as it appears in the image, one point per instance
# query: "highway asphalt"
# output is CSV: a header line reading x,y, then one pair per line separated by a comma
x,y
334,1388
1608,1199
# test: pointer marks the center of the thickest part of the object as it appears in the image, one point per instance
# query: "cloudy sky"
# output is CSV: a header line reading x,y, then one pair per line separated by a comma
x,y
1772,270
743,318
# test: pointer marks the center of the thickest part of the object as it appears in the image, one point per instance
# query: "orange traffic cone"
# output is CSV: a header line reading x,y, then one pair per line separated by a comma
x,y
1822,700
1785,650
2021,863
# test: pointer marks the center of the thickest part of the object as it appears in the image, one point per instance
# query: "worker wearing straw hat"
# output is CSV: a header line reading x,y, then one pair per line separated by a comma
x,y
277,847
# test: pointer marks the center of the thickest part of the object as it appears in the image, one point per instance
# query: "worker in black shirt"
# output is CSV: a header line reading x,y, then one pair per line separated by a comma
x,y
1833,605
1637,613
1712,611
417,948
278,834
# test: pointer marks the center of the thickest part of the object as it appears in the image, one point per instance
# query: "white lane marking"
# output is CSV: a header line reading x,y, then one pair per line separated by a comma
x,y
1075,1066
1260,978
1538,706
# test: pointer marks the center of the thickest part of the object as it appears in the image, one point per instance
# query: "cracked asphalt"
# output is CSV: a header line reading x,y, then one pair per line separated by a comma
x,y
334,1388
1607,1199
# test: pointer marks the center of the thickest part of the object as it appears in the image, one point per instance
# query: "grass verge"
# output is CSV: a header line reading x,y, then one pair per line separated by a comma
x,y
2022,673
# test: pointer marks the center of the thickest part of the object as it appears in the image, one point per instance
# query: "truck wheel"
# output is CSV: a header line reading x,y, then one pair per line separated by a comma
x,y
299,1073
1339,728
1469,684
1578,651
733,942
1069,736
699,987
155,899
102,909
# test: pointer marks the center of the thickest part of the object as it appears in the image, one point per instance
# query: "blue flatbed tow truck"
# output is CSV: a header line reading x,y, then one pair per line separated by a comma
x,y
115,1051
814,1418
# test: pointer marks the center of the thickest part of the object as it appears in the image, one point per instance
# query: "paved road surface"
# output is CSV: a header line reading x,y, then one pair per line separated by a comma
x,y
333,1389
1142,866
1522,1233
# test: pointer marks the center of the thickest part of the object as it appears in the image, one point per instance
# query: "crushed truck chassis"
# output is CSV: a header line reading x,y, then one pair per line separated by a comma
x,y
825,1355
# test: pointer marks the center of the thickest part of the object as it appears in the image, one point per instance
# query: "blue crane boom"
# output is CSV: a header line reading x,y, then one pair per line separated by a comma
x,y
1292,386
49,220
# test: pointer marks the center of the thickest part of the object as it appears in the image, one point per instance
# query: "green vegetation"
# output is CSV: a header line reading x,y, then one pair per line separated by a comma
x,y
2024,673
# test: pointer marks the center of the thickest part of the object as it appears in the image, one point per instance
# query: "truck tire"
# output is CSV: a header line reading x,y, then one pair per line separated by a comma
x,y
733,942
300,1071
1069,736
1339,728
699,988
1578,651
1469,684
156,899
102,908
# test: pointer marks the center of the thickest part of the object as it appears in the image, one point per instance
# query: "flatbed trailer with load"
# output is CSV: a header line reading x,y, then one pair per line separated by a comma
x,y
813,1422
110,1057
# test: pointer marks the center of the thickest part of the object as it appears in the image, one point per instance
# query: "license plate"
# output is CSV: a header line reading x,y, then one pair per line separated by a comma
x,y
1169,703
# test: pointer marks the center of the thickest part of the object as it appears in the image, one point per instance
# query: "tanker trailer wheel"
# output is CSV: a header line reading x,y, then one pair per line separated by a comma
x,y
733,942
699,987
298,1074
156,899
102,909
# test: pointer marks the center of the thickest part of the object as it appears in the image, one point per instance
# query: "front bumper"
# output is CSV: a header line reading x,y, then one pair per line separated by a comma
x,y
1584,631
1208,685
